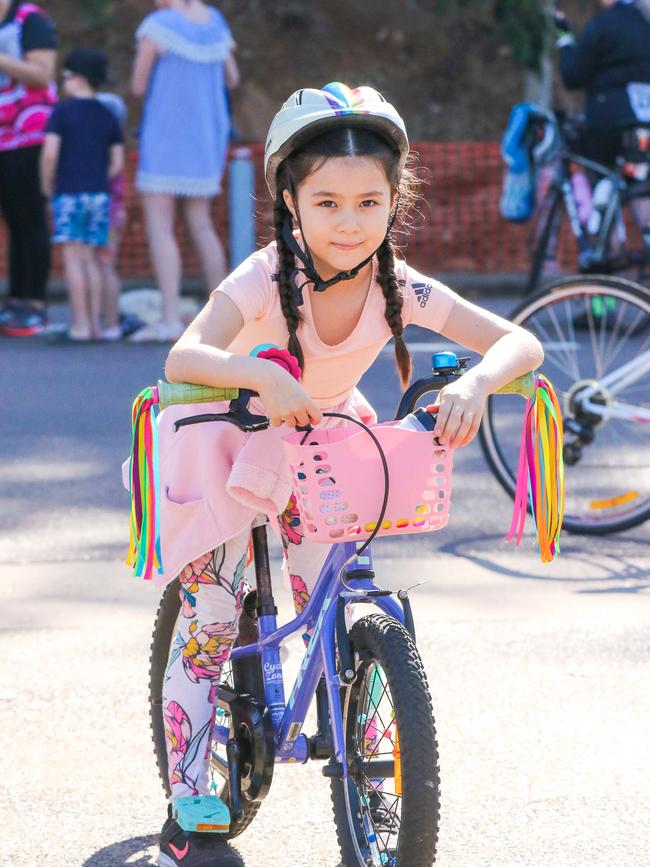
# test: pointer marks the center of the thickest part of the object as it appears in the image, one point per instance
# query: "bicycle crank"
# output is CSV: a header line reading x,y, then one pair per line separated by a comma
x,y
581,423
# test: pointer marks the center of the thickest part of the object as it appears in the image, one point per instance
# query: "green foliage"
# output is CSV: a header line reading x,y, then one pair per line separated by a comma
x,y
525,24
95,12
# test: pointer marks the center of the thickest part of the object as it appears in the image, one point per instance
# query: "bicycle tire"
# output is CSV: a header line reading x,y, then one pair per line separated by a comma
x,y
381,640
501,456
554,195
163,633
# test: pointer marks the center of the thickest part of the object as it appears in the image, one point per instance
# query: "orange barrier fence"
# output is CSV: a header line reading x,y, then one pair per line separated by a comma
x,y
460,227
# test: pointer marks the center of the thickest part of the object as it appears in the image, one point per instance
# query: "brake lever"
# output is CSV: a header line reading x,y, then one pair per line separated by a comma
x,y
238,414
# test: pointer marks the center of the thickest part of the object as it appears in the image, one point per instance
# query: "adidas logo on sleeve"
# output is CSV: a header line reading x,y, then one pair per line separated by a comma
x,y
422,292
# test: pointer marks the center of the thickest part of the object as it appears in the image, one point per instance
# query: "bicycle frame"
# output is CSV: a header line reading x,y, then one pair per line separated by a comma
x,y
590,250
320,614
613,383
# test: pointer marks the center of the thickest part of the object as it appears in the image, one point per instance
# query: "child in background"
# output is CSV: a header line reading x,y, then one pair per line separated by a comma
x,y
83,150
107,256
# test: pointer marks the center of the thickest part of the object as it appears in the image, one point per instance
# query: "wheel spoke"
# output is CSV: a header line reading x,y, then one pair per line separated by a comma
x,y
588,331
379,809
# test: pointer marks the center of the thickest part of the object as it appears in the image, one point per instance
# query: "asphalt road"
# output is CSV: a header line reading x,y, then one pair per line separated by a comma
x,y
539,674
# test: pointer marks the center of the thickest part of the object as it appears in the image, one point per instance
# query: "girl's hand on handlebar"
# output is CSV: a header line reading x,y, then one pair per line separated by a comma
x,y
460,410
285,400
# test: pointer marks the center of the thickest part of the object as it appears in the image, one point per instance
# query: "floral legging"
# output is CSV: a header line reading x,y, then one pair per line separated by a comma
x,y
212,591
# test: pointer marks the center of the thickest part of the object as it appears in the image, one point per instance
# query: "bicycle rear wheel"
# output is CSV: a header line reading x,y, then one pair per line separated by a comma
x,y
387,810
163,635
589,327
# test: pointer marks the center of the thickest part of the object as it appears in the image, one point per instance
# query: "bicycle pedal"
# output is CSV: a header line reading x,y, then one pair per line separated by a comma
x,y
201,813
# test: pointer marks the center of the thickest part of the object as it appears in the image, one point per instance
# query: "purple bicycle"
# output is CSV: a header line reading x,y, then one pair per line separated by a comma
x,y
375,726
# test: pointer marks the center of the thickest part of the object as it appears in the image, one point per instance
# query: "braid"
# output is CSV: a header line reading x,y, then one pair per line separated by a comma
x,y
394,301
287,265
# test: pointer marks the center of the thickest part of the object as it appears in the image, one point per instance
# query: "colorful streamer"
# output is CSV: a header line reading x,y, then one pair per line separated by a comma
x,y
144,553
144,485
540,475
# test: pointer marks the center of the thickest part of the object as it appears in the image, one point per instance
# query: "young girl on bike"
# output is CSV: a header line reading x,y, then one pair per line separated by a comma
x,y
331,290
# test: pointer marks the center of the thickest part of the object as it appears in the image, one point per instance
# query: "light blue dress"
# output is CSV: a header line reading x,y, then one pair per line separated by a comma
x,y
185,123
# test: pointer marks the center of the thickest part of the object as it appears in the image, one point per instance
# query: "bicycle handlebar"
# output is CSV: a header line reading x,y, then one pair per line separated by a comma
x,y
186,393
171,394
523,385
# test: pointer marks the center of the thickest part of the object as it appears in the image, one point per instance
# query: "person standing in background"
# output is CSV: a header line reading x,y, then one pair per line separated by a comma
x,y
610,60
107,256
83,150
184,63
27,97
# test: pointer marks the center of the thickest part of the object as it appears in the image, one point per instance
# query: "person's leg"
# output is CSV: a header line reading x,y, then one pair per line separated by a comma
x,y
205,239
94,284
96,236
641,211
74,261
7,301
25,211
159,211
111,287
603,144
303,559
111,283
212,591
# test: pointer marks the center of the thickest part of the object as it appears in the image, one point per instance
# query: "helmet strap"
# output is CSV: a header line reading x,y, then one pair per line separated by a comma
x,y
304,255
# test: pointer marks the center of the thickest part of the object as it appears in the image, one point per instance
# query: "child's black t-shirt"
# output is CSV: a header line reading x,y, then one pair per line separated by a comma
x,y
87,130
37,32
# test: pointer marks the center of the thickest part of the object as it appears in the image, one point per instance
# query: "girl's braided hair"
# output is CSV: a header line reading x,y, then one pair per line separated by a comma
x,y
344,142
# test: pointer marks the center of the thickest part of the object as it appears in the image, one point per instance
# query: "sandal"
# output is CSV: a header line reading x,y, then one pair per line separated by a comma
x,y
160,332
111,334
68,336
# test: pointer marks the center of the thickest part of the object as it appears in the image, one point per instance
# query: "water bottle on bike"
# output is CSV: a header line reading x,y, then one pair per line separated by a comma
x,y
601,198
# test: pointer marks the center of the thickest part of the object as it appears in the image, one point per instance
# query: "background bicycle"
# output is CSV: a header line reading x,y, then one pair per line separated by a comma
x,y
596,337
609,223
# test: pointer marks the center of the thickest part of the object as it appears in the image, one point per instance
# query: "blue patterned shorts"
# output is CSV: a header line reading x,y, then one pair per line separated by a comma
x,y
82,218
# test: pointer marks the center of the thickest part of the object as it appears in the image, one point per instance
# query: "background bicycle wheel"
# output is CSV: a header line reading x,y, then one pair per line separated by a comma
x,y
588,327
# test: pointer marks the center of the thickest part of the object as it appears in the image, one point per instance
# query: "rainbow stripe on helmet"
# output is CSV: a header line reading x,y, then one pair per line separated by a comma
x,y
344,99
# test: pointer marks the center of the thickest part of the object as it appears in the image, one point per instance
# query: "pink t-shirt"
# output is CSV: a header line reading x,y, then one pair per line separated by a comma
x,y
331,372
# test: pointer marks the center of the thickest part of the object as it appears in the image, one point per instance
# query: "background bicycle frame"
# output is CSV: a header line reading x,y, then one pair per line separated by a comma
x,y
616,381
595,251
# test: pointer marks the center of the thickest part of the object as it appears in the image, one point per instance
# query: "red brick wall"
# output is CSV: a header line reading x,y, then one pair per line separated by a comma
x,y
460,230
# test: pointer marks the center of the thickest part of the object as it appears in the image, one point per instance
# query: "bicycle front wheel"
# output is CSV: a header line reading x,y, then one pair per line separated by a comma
x,y
590,327
387,810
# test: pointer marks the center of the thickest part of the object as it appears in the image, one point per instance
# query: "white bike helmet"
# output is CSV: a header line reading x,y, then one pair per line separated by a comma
x,y
309,112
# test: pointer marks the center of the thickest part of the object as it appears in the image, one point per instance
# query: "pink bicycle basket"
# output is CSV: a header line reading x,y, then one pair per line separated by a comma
x,y
338,482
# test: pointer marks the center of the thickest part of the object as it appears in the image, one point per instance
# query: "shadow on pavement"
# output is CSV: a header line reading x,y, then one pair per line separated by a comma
x,y
136,852
581,561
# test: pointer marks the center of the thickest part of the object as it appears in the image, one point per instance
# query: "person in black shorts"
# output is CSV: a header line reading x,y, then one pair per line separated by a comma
x,y
610,60
83,150
27,96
